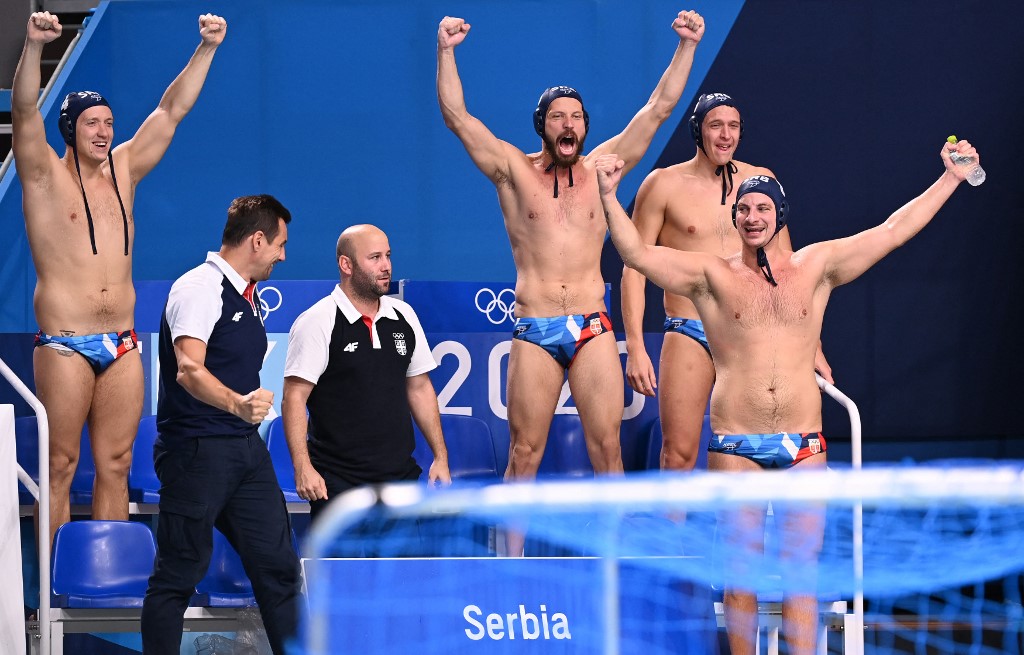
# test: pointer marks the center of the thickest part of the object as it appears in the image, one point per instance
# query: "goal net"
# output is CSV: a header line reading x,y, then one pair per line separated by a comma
x,y
928,560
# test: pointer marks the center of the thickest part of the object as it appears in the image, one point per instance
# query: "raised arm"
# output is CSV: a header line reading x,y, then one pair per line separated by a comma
x,y
423,404
847,259
675,271
648,218
488,152
309,484
150,143
631,144
32,155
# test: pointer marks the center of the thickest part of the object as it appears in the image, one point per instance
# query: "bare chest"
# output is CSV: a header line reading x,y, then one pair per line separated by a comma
x,y
102,220
699,226
576,212
754,304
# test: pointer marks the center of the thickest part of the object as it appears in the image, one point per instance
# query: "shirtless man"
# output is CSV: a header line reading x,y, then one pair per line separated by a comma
x,y
78,215
763,309
552,212
687,207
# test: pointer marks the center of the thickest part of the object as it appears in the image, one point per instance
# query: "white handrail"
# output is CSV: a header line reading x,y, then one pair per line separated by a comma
x,y
43,495
856,457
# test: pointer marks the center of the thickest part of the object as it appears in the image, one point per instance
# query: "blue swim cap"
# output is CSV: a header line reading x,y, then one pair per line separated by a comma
x,y
706,103
73,106
547,98
770,187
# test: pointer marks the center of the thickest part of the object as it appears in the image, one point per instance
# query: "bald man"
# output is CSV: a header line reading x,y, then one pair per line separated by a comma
x,y
358,361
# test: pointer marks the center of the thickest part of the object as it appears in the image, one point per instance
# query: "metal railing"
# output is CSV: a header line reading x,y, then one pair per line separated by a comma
x,y
42,494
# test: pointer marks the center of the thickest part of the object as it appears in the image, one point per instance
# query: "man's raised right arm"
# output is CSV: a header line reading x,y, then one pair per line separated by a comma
x,y
486,150
33,156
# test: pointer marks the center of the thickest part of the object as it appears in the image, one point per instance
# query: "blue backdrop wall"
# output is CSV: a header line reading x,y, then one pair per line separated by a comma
x,y
331,107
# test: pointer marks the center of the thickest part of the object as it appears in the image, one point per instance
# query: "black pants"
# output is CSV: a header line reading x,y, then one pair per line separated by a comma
x,y
227,482
374,535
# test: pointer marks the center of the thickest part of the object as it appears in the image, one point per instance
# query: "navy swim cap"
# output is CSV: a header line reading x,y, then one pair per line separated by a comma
x,y
547,98
770,187
74,104
706,103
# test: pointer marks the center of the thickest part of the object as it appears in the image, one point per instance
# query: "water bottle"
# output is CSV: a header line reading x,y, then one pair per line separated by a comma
x,y
975,173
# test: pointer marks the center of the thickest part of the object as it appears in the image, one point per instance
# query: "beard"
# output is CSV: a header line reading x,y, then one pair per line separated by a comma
x,y
368,286
557,157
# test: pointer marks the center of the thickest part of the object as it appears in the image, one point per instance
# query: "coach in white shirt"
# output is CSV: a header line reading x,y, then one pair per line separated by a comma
x,y
358,361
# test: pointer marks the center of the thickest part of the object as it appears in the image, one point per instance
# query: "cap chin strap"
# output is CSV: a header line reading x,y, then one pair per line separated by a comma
x,y
548,170
117,192
728,168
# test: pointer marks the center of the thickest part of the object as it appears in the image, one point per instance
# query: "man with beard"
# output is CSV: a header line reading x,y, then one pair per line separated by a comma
x,y
358,361
81,229
214,468
551,205
687,207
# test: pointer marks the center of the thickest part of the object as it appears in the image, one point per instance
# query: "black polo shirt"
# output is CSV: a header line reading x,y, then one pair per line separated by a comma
x,y
360,425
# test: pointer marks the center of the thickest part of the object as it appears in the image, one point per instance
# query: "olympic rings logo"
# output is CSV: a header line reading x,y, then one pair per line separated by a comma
x,y
499,307
265,307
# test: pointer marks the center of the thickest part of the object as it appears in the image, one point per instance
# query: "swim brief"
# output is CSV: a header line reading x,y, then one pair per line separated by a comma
x,y
690,327
100,350
772,451
562,336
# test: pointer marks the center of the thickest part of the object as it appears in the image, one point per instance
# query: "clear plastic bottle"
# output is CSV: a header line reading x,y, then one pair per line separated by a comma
x,y
975,173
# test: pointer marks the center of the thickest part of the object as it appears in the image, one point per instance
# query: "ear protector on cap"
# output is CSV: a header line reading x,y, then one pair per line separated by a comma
x,y
705,104
74,104
546,98
771,188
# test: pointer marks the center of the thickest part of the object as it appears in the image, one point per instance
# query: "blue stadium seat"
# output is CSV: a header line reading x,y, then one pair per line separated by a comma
x,y
143,485
277,444
655,439
470,449
225,583
101,564
26,434
566,450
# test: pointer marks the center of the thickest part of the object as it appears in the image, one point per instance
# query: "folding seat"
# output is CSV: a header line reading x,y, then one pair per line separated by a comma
x,y
101,564
471,454
225,583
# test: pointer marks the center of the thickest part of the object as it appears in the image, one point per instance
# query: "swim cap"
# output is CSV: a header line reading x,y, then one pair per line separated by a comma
x,y
706,103
547,98
73,106
770,187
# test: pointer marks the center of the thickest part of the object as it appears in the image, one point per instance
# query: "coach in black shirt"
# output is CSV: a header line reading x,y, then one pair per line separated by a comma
x,y
358,361
214,468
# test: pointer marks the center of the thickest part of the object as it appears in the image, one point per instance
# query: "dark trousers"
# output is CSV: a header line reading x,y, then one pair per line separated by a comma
x,y
227,482
373,535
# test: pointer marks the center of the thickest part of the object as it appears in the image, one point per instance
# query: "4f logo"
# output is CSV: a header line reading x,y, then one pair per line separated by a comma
x,y
237,317
351,348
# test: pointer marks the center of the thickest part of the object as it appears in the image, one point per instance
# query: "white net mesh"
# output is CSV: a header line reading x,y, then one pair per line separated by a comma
x,y
636,564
